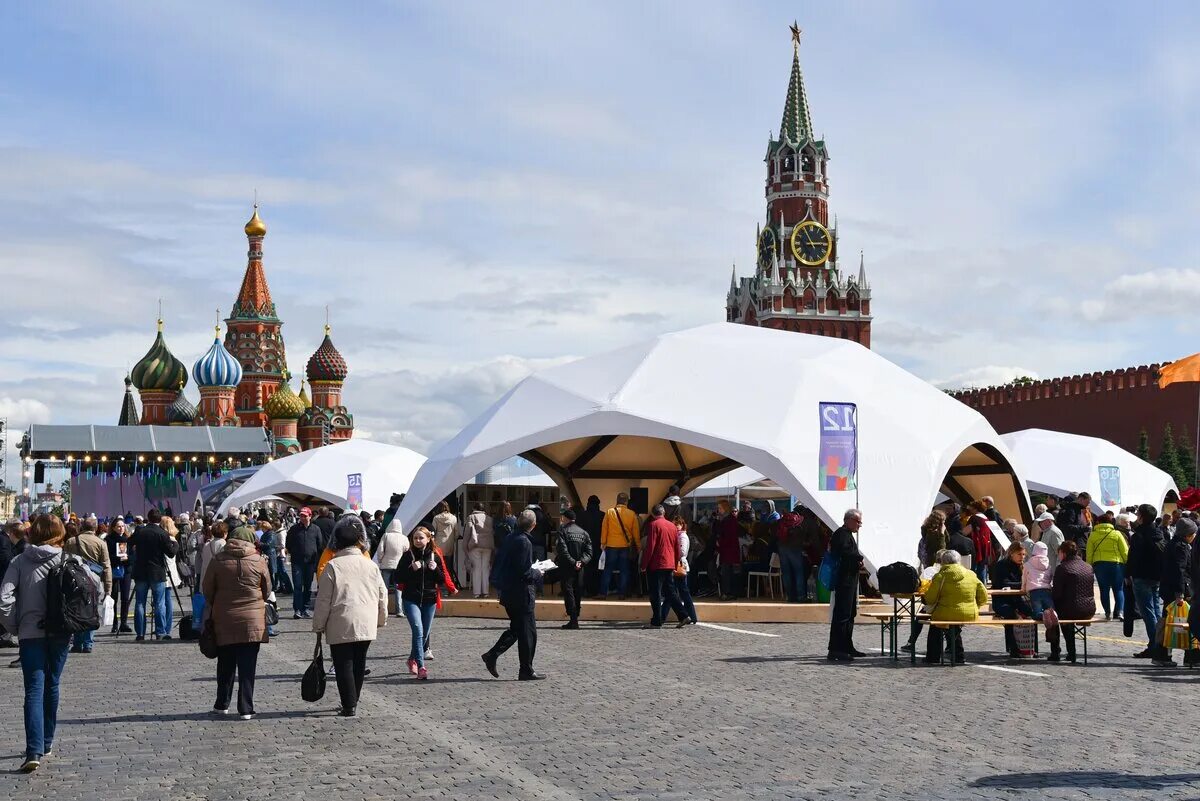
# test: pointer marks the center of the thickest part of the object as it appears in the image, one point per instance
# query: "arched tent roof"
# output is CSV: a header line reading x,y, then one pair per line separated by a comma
x,y
320,475
1057,463
628,418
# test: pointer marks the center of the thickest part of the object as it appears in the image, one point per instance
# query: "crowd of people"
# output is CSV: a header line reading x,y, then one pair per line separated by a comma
x,y
1142,561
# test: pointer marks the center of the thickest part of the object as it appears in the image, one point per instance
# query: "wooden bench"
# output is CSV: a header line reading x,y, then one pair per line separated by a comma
x,y
1078,626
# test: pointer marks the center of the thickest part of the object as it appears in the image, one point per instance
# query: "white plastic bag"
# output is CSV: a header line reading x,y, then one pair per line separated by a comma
x,y
603,554
109,614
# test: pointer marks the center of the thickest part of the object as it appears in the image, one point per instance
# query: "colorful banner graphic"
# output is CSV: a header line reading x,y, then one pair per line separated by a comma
x,y
838,468
354,492
1110,486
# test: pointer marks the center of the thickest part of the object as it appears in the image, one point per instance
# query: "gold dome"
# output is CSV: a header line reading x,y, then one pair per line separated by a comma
x,y
256,227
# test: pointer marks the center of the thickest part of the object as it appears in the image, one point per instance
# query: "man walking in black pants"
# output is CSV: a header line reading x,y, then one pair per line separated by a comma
x,y
305,541
573,552
844,549
514,579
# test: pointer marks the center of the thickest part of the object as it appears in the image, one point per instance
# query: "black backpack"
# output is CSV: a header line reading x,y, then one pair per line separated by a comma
x,y
72,598
898,578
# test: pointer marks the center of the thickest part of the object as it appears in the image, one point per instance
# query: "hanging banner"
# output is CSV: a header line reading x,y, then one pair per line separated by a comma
x,y
838,468
1110,486
354,492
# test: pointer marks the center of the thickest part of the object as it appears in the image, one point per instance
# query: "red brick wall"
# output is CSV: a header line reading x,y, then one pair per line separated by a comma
x,y
1115,405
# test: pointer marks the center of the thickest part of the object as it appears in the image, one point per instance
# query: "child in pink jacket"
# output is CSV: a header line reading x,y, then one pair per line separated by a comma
x,y
1036,578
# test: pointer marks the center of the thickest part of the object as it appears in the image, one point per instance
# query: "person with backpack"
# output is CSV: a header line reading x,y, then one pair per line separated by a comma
x,y
94,553
152,546
421,575
26,608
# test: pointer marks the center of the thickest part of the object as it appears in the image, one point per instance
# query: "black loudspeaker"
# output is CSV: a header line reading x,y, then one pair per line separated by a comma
x,y
639,500
39,473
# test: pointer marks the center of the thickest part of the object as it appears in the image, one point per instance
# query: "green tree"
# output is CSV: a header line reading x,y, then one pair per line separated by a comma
x,y
1168,459
1186,457
1143,448
65,489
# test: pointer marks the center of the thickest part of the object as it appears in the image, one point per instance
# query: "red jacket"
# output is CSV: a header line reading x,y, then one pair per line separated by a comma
x,y
981,538
660,551
729,547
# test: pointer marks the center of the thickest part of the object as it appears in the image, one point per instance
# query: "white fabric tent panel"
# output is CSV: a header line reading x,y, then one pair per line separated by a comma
x,y
1056,463
322,473
910,433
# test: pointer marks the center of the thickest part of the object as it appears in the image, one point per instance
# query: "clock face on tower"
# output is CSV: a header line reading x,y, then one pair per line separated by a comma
x,y
811,243
767,247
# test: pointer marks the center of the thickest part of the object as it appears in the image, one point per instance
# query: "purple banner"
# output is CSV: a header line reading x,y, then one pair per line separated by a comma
x,y
354,492
838,467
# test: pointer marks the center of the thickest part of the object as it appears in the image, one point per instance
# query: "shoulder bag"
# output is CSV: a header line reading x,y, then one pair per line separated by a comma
x,y
312,686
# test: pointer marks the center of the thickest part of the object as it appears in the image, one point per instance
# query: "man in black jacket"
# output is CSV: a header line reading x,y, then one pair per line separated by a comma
x,y
324,521
844,548
514,576
573,552
1176,582
150,547
1145,567
305,541
958,541
1073,520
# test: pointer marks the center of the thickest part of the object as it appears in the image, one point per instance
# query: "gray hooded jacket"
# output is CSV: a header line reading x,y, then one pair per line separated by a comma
x,y
23,592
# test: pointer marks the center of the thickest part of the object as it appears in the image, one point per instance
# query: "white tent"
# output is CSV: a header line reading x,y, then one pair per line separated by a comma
x,y
1057,463
629,419
743,482
321,475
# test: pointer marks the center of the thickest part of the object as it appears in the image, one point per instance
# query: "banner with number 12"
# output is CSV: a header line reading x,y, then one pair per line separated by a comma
x,y
838,467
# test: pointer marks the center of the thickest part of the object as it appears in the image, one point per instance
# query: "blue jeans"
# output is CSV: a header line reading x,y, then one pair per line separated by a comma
x,y
42,663
84,639
1040,601
685,595
1149,605
1111,576
420,620
982,572
795,574
615,559
164,608
198,604
302,579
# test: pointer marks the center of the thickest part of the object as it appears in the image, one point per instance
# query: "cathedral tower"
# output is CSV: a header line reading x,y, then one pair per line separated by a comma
x,y
798,283
253,334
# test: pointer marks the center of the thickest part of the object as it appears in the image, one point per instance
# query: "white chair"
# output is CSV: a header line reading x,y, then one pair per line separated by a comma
x,y
772,573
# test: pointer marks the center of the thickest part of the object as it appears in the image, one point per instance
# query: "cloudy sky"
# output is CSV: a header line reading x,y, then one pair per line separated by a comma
x,y
477,189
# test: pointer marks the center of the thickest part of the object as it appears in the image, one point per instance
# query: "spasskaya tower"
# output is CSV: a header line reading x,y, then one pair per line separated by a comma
x,y
797,284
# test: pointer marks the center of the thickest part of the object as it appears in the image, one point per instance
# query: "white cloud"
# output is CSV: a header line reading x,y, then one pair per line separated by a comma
x,y
985,376
1161,293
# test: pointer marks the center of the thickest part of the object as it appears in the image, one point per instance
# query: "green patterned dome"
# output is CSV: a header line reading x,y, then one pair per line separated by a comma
x,y
283,404
159,369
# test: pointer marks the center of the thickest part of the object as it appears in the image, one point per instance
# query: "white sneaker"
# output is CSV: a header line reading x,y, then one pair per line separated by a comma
x,y
429,654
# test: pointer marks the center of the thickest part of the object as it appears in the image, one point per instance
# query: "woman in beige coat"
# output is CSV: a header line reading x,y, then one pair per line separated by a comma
x,y
236,585
351,606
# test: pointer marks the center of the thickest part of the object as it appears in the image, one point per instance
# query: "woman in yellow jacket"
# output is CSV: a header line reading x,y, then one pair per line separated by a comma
x,y
1107,552
955,593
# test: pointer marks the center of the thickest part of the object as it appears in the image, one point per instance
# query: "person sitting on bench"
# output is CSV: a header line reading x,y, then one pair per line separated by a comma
x,y
954,594
1074,592
1007,575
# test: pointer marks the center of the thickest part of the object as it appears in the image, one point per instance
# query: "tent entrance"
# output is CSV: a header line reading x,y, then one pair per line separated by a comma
x,y
982,470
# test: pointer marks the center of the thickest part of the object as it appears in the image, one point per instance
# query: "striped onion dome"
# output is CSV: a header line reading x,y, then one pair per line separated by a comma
x,y
327,364
217,367
283,403
159,369
181,411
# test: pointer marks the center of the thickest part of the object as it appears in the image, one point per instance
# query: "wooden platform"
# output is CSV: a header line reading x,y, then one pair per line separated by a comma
x,y
744,611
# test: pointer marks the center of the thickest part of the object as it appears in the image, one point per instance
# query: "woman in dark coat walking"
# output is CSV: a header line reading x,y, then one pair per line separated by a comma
x,y
1074,594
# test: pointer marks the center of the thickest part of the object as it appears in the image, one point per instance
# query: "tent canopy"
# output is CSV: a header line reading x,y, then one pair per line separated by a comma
x,y
320,476
743,481
1057,463
618,420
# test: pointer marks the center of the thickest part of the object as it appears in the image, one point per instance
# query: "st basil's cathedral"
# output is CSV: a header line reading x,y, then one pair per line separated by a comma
x,y
244,381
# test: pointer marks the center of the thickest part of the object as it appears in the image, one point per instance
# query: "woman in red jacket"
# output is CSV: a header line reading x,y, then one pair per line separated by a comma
x,y
729,547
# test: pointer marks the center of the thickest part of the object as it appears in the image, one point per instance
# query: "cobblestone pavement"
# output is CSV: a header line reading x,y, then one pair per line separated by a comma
x,y
692,714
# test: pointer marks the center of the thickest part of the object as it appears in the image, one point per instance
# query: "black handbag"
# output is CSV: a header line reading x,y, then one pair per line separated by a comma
x,y
208,639
312,686
272,614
